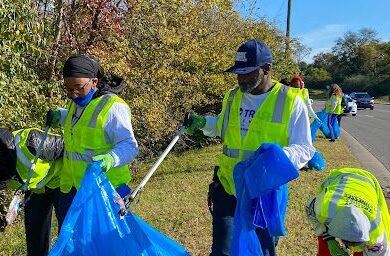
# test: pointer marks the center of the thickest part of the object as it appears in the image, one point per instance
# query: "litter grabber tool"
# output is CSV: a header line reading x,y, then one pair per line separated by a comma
x,y
18,202
130,198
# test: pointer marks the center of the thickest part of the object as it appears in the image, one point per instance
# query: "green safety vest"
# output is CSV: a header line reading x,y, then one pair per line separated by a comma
x,y
338,110
352,186
304,93
86,139
269,124
45,173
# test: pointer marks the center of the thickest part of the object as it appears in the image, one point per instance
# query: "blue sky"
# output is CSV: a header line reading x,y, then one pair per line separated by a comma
x,y
318,23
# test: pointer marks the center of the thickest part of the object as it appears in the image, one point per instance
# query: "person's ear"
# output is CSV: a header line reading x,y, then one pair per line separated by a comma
x,y
94,82
266,69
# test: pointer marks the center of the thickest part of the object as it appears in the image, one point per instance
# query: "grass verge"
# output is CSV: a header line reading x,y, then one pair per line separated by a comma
x,y
174,201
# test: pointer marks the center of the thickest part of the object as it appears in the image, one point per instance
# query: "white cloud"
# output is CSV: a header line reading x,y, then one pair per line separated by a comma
x,y
322,39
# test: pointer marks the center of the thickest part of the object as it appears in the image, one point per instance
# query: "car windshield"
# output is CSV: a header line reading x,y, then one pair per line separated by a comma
x,y
362,95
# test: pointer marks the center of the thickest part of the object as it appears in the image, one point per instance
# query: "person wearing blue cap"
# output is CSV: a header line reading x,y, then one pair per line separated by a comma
x,y
259,110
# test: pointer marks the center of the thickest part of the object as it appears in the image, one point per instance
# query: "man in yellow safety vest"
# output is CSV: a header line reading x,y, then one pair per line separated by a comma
x,y
258,111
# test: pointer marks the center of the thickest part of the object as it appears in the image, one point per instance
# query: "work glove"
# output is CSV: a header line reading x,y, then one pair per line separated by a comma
x,y
107,161
194,123
335,249
53,118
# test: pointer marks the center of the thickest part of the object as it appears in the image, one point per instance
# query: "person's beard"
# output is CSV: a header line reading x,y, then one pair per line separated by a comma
x,y
248,87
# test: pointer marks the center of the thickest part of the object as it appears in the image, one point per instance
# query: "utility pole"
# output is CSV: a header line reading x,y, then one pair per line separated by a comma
x,y
288,25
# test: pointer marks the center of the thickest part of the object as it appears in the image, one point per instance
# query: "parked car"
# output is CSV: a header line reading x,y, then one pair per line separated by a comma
x,y
363,100
350,106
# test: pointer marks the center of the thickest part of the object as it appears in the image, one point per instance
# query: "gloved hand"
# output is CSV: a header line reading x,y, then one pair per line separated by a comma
x,y
194,123
335,249
53,118
107,161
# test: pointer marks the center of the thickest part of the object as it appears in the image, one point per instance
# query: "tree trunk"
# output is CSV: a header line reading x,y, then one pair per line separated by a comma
x,y
57,36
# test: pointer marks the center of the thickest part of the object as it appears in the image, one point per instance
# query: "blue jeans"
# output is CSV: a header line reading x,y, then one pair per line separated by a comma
x,y
332,118
223,216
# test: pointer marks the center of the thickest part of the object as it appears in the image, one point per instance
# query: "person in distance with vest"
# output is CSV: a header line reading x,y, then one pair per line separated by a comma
x,y
17,152
350,214
297,82
258,111
334,108
97,127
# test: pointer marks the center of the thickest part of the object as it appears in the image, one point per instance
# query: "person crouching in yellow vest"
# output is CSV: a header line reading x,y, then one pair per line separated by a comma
x,y
350,212
97,127
258,111
17,153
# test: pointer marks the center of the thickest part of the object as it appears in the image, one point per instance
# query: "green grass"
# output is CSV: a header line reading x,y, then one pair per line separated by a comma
x,y
174,201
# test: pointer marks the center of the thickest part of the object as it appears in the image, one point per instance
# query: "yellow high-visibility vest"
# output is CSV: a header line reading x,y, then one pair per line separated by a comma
x,y
338,110
269,124
45,173
352,186
86,139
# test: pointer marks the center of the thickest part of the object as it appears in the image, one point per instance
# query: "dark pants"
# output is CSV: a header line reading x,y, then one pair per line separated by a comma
x,y
37,221
332,118
65,201
223,216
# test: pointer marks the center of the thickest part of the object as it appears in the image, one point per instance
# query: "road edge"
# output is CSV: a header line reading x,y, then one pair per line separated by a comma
x,y
369,162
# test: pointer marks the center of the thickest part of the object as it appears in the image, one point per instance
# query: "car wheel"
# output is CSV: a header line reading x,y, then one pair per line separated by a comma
x,y
354,114
372,108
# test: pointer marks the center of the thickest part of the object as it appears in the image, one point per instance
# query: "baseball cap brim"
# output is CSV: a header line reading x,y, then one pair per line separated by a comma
x,y
241,71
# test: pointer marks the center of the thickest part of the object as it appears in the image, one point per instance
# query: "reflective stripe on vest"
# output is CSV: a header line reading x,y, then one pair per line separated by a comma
x,y
269,124
40,176
341,187
276,118
227,111
85,139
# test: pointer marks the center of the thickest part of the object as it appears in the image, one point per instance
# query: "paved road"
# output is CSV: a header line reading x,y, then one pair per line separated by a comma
x,y
371,128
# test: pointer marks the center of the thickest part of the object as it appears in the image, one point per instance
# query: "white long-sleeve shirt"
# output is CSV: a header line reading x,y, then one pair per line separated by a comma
x,y
118,131
300,149
312,113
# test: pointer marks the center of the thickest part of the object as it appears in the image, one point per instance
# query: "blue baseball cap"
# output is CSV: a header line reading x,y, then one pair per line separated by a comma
x,y
250,56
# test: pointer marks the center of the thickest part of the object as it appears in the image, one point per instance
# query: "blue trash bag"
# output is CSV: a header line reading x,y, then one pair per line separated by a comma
x,y
324,125
94,227
271,210
244,241
317,162
262,194
267,169
314,126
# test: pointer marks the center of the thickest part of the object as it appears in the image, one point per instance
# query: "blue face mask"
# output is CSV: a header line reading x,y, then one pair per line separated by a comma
x,y
84,100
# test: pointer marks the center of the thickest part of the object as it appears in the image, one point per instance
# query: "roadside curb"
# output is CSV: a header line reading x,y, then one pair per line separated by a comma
x,y
369,163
